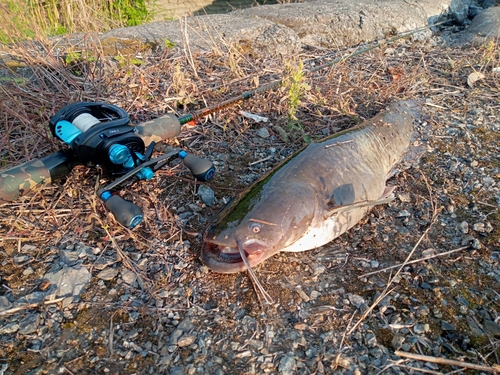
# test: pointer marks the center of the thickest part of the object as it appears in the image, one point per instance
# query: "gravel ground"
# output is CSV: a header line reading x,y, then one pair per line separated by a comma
x,y
80,295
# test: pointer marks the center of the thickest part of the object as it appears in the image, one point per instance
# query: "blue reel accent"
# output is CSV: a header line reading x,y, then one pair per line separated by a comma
x,y
106,195
182,154
145,174
210,173
136,220
118,154
66,131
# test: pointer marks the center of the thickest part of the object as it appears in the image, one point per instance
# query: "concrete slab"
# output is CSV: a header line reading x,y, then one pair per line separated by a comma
x,y
280,30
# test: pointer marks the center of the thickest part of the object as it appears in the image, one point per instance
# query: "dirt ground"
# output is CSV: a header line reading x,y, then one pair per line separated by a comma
x,y
341,308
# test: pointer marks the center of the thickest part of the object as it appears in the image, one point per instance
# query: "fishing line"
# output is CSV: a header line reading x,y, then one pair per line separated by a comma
x,y
249,94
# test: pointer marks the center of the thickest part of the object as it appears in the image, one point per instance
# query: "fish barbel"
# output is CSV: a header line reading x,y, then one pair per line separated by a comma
x,y
314,196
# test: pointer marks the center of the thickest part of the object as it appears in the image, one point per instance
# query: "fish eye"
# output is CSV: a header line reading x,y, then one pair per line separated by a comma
x,y
255,227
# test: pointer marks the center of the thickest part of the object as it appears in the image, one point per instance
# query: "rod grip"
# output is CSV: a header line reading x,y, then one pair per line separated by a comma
x,y
19,180
159,129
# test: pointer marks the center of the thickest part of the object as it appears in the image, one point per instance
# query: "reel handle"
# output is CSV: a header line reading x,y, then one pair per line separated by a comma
x,y
202,169
20,179
125,212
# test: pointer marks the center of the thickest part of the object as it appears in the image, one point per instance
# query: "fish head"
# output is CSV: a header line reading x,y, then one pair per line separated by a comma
x,y
260,225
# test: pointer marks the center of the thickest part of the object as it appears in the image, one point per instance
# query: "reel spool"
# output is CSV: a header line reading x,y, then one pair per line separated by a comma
x,y
99,134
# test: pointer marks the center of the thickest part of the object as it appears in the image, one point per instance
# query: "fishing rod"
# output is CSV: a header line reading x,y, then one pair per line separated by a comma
x,y
276,83
100,135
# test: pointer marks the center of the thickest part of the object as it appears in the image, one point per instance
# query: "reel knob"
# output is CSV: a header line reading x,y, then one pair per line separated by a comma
x,y
202,169
125,212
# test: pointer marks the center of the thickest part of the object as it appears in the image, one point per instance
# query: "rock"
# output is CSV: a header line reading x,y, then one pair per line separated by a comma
x,y
280,30
491,328
263,133
28,271
458,11
4,303
68,257
129,277
287,365
475,329
253,33
207,195
404,197
344,23
404,213
421,328
177,370
175,336
186,340
478,227
9,328
29,324
356,300
21,258
471,241
107,274
27,247
36,297
105,261
484,27
69,281
397,341
445,326
464,227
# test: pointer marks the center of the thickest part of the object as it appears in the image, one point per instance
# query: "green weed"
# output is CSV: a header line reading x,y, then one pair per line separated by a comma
x,y
28,19
297,87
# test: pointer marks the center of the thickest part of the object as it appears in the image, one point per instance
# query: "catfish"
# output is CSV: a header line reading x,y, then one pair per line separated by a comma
x,y
315,196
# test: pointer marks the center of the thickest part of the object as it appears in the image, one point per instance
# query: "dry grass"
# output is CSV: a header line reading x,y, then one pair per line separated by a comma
x,y
168,81
338,96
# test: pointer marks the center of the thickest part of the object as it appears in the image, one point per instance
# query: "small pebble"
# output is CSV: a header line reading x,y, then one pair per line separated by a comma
x,y
287,365
404,213
129,277
263,133
464,227
207,195
445,326
107,274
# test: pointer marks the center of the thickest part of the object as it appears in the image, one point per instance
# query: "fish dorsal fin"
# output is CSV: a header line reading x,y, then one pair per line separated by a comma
x,y
387,196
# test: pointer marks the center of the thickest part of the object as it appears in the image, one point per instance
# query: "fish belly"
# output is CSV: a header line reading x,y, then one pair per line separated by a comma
x,y
327,229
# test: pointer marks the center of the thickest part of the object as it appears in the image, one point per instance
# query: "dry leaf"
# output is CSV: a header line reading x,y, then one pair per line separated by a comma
x,y
473,77
396,73
256,118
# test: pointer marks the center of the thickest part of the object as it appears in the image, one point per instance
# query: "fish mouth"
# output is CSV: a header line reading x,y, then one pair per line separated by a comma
x,y
227,259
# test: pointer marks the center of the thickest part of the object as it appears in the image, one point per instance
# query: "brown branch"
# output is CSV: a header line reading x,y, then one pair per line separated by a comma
x,y
495,369
28,306
415,261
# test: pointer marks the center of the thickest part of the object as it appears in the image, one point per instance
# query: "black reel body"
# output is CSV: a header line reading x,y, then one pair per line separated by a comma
x,y
99,134
95,132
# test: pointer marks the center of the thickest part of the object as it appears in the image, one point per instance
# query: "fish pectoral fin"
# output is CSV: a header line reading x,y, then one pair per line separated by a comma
x,y
387,196
388,192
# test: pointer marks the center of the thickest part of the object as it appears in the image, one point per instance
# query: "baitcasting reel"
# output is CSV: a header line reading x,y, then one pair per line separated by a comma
x,y
99,134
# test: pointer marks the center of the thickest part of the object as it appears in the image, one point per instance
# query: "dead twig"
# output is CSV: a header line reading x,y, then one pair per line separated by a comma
x,y
415,261
28,306
495,369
